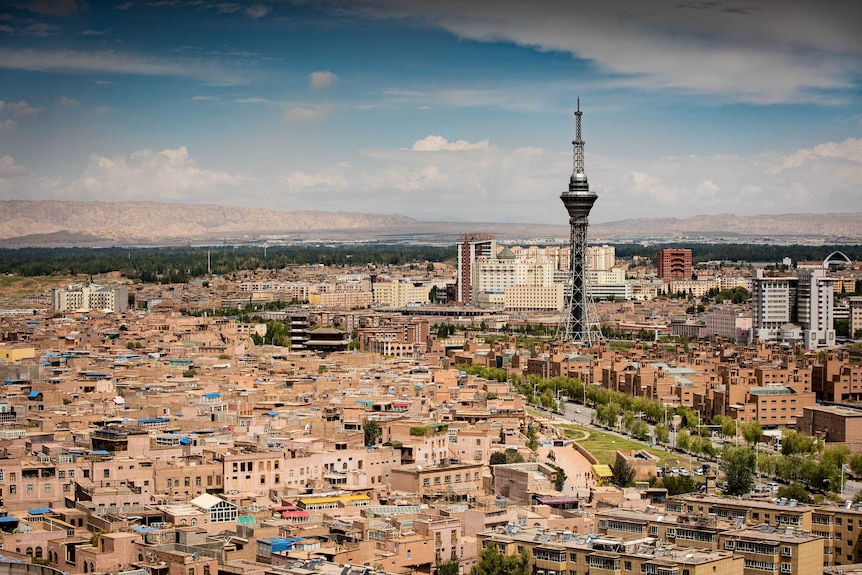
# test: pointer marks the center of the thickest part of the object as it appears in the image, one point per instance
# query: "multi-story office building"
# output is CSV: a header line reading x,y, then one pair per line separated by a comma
x,y
86,297
674,264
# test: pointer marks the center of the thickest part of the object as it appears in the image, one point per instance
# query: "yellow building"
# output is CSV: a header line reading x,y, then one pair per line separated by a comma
x,y
11,354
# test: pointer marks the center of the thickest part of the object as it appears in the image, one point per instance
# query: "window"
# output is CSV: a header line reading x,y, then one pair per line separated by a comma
x,y
447,479
106,473
60,475
47,488
12,490
627,565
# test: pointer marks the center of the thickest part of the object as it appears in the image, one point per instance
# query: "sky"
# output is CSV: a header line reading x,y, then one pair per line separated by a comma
x,y
441,110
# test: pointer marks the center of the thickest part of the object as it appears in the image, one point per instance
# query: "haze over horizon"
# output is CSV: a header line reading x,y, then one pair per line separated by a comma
x,y
435,109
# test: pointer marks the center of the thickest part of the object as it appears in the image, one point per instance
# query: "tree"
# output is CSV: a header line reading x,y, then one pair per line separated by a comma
x,y
795,491
532,440
856,464
683,440
505,457
623,474
662,434
678,484
372,432
447,568
737,463
560,481
752,432
495,563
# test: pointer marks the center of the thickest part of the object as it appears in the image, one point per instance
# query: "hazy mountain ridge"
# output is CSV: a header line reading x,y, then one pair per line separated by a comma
x,y
153,220
59,223
829,224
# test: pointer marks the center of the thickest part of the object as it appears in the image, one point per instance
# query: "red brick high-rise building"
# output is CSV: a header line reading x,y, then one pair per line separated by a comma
x,y
674,264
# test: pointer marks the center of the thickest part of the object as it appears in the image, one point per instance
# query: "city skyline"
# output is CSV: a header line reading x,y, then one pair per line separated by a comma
x,y
434,110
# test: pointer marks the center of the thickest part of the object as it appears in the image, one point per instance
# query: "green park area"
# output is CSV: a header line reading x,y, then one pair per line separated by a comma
x,y
604,446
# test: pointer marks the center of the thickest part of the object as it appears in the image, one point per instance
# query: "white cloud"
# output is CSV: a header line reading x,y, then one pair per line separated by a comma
x,y
205,98
8,167
322,79
168,175
10,110
849,150
112,62
257,11
299,181
440,144
766,52
487,183
309,113
254,100
69,102
11,174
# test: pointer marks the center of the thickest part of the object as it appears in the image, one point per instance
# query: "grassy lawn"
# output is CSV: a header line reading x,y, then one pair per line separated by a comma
x,y
621,345
604,447
575,432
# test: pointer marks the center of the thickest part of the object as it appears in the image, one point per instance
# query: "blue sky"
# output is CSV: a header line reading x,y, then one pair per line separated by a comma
x,y
435,109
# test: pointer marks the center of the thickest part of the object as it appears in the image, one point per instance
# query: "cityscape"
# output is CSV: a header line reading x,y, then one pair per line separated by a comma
x,y
286,288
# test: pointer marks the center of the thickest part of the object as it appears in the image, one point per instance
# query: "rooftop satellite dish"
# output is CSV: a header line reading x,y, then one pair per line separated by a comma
x,y
418,468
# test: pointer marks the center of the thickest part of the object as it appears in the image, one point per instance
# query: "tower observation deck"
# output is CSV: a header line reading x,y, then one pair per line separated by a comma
x,y
579,323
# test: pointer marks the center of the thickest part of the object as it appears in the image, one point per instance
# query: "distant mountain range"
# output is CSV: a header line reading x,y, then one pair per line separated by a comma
x,y
67,223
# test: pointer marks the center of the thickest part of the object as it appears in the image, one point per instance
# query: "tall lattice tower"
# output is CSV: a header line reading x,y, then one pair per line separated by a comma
x,y
579,323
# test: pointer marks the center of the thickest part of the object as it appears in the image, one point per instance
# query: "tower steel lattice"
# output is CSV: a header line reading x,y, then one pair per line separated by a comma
x,y
579,323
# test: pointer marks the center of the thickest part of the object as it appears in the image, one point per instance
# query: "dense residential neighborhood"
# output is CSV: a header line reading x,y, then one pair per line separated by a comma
x,y
210,427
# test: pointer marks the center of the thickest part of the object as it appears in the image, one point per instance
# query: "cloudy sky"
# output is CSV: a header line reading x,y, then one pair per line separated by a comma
x,y
435,109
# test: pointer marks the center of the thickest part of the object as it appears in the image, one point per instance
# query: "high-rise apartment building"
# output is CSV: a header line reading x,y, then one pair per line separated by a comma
x,y
674,264
789,308
601,258
471,248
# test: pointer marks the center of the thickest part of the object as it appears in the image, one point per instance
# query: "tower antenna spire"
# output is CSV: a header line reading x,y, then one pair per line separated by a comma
x,y
579,323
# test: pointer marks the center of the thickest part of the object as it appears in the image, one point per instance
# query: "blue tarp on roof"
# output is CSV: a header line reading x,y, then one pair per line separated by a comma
x,y
8,519
99,452
185,441
155,420
34,394
273,413
40,511
212,395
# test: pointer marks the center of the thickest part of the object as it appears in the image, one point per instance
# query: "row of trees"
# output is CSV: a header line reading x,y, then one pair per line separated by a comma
x,y
179,265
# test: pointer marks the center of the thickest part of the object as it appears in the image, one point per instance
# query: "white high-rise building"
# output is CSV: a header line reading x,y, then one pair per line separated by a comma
x,y
601,258
793,307
814,300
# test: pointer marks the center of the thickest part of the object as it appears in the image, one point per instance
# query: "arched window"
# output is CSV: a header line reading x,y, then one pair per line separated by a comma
x,y
86,569
29,551
140,556
38,552
182,521
194,521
